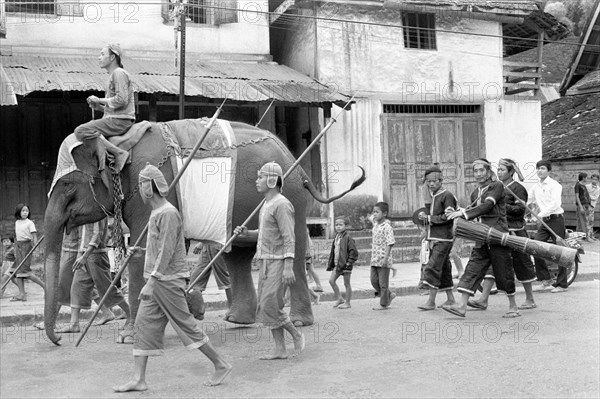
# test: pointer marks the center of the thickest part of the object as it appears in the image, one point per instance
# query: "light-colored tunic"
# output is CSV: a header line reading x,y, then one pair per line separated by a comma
x,y
276,241
165,261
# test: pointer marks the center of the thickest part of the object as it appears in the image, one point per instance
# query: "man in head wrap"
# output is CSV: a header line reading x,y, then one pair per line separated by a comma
x,y
117,105
515,198
488,207
275,247
437,273
547,197
162,298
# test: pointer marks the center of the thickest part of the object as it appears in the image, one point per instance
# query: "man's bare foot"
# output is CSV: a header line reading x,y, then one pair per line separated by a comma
x,y
131,386
104,319
380,308
447,303
275,356
345,305
220,374
69,329
392,296
316,299
338,302
427,306
299,343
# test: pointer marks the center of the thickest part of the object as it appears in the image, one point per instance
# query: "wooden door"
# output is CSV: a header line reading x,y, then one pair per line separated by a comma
x,y
411,144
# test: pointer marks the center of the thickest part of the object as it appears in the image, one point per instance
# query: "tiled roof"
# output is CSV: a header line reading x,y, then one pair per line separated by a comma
x,y
590,82
571,127
556,58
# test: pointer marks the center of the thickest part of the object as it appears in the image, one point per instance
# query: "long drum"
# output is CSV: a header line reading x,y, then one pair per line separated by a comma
x,y
563,256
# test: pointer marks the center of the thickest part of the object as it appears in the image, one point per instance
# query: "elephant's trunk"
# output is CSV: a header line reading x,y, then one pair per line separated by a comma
x,y
53,232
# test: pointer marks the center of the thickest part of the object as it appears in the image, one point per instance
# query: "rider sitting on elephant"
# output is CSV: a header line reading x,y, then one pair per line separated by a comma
x,y
118,107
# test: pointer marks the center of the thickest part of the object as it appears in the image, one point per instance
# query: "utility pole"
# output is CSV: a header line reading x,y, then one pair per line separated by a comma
x,y
182,17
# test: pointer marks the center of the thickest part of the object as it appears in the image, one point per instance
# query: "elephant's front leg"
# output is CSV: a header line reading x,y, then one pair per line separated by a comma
x,y
135,268
243,292
300,305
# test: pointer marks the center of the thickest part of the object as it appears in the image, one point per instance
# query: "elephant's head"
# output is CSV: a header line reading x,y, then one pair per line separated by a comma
x,y
78,196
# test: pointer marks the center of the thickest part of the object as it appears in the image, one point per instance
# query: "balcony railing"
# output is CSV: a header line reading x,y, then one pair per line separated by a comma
x,y
520,77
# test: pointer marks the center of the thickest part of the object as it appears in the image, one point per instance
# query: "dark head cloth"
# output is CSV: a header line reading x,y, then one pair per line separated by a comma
x,y
432,169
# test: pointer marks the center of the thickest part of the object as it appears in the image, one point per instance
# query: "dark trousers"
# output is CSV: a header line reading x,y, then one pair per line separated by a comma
x,y
380,280
557,224
437,273
481,257
522,264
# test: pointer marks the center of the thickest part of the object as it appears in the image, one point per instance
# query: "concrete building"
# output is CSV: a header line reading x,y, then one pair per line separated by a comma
x,y
48,64
431,85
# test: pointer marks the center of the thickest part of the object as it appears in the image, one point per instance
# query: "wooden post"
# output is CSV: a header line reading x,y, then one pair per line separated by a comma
x,y
540,48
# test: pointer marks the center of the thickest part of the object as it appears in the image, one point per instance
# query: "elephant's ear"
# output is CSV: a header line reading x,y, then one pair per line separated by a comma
x,y
105,177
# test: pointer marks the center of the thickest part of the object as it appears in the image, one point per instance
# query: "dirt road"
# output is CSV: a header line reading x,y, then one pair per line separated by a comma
x,y
402,352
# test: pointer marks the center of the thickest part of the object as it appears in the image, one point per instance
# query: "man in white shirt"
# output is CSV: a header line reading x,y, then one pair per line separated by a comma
x,y
546,195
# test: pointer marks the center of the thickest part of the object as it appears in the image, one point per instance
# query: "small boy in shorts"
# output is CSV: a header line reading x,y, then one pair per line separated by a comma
x,y
341,260
381,255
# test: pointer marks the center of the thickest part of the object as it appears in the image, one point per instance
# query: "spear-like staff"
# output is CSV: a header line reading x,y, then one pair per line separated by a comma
x,y
139,239
14,273
255,211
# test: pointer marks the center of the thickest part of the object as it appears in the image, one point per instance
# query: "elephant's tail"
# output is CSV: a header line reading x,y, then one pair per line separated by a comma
x,y
317,195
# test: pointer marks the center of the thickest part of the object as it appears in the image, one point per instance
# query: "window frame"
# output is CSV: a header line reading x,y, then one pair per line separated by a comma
x,y
419,31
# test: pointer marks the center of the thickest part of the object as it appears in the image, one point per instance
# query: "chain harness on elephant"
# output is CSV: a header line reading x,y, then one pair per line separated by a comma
x,y
172,149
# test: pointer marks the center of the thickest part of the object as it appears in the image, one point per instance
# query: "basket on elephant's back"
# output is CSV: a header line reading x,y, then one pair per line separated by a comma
x,y
563,256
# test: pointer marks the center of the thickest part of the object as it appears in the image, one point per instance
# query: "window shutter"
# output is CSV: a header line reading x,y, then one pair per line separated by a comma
x,y
225,11
69,7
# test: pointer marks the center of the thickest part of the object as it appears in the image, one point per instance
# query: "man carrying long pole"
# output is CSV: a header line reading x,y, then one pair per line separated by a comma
x,y
138,241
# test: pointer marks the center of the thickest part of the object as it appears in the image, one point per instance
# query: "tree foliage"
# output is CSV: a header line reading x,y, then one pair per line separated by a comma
x,y
573,13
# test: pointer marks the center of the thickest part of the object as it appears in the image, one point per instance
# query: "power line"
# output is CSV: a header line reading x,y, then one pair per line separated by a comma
x,y
292,19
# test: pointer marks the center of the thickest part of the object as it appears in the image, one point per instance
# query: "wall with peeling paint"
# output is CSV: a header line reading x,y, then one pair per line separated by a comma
x,y
138,28
371,60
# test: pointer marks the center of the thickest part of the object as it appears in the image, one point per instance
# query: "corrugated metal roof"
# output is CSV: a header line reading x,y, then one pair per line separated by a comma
x,y
7,94
236,80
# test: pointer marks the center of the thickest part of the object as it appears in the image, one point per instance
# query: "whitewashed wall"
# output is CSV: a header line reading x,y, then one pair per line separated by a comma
x,y
138,27
513,129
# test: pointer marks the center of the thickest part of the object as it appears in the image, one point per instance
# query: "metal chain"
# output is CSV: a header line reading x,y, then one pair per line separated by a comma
x,y
117,233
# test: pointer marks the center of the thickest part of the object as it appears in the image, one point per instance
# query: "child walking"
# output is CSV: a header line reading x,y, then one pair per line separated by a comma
x,y
26,235
8,259
381,255
341,261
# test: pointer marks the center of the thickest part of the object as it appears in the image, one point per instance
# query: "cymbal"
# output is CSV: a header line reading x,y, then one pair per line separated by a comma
x,y
415,216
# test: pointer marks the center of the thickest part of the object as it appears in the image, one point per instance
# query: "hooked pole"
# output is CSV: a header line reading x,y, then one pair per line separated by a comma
x,y
208,267
143,233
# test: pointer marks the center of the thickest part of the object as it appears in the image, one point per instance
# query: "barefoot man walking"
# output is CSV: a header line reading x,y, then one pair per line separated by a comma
x,y
275,253
162,298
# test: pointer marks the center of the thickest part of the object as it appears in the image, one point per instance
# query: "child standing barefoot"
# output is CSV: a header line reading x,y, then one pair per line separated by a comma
x,y
26,235
162,298
341,260
381,257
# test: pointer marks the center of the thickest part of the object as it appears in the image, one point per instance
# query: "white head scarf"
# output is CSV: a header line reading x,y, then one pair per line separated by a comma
x,y
151,174
272,170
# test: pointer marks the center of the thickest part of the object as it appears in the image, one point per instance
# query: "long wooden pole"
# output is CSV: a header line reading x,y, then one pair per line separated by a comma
x,y
255,211
139,239
14,273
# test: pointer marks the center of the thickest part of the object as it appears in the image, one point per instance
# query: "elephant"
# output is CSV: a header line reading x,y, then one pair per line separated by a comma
x,y
85,195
